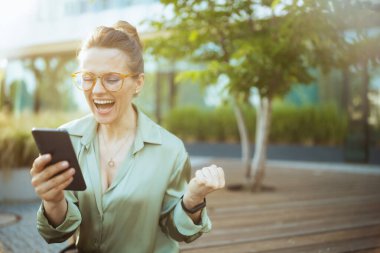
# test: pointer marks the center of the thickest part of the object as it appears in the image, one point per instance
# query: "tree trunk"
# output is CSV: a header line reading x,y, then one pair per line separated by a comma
x,y
262,132
366,110
172,90
244,138
346,89
2,90
37,89
158,96
37,101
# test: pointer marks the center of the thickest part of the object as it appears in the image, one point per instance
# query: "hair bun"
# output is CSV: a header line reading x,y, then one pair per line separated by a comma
x,y
128,29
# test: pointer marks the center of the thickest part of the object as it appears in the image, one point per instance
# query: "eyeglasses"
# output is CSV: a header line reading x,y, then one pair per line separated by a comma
x,y
111,81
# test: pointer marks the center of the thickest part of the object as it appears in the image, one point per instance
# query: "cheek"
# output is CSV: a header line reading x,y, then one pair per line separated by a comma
x,y
127,92
87,95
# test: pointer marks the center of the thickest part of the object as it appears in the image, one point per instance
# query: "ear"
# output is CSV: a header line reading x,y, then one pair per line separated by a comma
x,y
139,83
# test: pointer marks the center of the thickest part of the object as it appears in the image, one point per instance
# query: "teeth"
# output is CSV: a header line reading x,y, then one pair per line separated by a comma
x,y
103,102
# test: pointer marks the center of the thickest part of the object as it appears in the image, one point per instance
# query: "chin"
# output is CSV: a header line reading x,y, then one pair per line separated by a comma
x,y
104,119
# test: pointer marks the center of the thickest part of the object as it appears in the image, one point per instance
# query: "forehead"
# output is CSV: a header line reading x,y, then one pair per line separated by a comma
x,y
101,60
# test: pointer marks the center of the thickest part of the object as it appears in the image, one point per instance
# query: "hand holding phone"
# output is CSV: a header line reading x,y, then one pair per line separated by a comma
x,y
57,143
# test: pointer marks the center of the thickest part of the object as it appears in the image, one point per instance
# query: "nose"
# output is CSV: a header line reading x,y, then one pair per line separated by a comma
x,y
98,87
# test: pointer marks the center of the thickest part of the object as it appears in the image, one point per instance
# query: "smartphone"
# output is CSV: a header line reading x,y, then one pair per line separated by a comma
x,y
57,143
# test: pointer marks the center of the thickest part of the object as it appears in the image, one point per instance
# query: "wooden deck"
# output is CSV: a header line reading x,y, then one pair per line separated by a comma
x,y
309,211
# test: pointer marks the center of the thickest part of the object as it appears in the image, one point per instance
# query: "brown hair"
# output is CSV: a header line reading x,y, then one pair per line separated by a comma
x,y
122,36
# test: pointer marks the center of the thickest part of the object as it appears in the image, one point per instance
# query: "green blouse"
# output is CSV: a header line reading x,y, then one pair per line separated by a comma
x,y
141,210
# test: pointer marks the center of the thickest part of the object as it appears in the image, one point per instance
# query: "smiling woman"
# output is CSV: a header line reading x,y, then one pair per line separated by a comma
x,y
140,197
110,98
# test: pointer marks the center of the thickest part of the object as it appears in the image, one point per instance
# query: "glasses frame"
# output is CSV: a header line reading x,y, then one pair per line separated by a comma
x,y
123,76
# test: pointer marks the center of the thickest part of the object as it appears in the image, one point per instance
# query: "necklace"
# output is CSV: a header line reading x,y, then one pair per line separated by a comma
x,y
111,162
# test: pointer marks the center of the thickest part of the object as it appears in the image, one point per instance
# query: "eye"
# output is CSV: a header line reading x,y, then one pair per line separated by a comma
x,y
112,78
87,77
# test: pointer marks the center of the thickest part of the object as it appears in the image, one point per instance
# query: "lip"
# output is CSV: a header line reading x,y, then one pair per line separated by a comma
x,y
100,110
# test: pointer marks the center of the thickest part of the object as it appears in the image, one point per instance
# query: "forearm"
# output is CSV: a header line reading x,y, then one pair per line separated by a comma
x,y
191,202
55,212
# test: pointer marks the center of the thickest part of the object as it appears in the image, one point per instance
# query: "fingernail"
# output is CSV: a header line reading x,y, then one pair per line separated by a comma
x,y
64,164
72,171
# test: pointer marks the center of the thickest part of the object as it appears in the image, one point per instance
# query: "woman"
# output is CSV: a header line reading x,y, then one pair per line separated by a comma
x,y
137,197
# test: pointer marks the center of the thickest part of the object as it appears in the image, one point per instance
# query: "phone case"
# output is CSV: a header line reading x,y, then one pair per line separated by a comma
x,y
57,143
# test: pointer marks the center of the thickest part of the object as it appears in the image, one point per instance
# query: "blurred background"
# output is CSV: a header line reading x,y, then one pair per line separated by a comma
x,y
324,108
38,53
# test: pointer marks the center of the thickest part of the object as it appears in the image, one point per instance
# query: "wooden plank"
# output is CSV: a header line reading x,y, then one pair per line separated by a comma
x,y
351,237
373,250
258,235
310,211
334,247
282,217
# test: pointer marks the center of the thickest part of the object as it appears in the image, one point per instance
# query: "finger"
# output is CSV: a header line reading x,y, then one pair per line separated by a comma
x,y
54,191
200,177
40,163
211,181
222,178
55,181
49,172
206,173
215,176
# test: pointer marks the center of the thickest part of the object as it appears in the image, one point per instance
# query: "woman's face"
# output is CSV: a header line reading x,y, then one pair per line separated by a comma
x,y
109,106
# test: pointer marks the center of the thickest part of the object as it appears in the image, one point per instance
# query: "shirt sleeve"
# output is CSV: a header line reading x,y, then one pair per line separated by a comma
x,y
67,228
174,221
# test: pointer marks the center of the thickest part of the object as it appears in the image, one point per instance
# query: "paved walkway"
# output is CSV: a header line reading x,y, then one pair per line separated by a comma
x,y
18,232
22,236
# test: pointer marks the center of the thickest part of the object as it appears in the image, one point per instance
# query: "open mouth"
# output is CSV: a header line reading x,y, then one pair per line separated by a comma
x,y
104,106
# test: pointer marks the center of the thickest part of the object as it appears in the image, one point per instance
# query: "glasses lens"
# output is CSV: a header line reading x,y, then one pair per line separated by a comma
x,y
112,81
84,80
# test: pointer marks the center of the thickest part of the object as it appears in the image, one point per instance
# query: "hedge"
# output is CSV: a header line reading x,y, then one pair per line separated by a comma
x,y
16,142
307,125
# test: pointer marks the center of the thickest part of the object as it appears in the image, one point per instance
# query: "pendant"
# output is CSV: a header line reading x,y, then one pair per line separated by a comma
x,y
111,163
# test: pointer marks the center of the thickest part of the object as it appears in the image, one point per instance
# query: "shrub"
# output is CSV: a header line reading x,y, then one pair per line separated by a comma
x,y
16,142
188,123
17,149
306,125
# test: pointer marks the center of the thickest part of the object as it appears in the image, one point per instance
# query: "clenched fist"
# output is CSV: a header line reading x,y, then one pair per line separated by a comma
x,y
206,180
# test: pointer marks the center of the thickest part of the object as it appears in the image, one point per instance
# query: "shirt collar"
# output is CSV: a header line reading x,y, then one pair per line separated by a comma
x,y
147,131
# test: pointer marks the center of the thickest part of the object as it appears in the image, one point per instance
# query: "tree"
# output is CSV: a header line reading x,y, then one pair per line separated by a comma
x,y
267,45
51,91
20,98
360,55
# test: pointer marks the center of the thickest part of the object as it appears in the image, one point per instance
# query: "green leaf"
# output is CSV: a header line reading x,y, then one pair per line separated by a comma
x,y
275,3
193,36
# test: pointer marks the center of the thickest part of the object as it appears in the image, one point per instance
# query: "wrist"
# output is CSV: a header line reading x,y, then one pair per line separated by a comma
x,y
55,212
192,205
191,201
50,205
